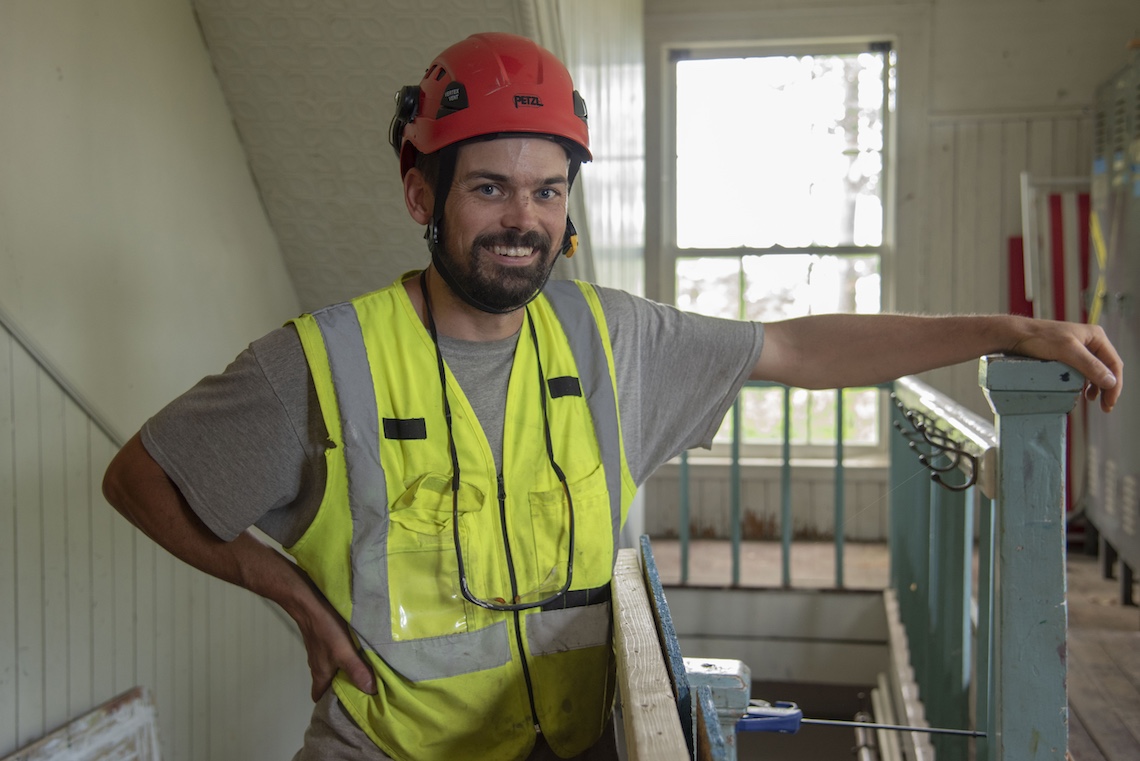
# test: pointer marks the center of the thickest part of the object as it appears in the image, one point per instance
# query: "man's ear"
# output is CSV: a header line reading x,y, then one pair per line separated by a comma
x,y
418,196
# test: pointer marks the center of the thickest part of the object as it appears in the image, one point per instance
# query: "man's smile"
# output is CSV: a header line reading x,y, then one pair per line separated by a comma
x,y
515,253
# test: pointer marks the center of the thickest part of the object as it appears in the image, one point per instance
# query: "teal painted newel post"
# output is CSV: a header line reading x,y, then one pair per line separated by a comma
x,y
1030,399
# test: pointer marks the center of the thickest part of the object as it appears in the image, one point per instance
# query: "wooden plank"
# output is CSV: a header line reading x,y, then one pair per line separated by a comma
x,y
218,638
941,233
667,635
29,642
1124,646
652,726
77,495
54,527
903,691
123,729
711,745
123,536
164,642
969,257
1067,159
181,737
103,519
1081,745
145,603
991,241
1106,700
937,288
247,608
199,667
1041,147
8,664
1013,152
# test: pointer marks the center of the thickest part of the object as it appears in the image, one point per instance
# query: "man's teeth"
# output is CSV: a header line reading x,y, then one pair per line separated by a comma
x,y
512,251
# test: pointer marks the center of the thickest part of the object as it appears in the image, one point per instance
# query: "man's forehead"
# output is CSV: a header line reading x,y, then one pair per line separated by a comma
x,y
513,155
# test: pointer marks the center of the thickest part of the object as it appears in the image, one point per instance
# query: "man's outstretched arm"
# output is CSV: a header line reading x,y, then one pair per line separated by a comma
x,y
839,350
139,488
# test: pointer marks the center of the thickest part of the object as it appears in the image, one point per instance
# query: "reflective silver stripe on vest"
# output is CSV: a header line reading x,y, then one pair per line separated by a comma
x,y
585,338
449,655
558,631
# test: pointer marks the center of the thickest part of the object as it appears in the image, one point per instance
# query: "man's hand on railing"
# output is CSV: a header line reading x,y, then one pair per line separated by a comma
x,y
1085,348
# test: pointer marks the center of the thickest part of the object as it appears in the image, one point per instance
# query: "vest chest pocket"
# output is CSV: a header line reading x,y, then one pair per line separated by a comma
x,y
593,533
420,520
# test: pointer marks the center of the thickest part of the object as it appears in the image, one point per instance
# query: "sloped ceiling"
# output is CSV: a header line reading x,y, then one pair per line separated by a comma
x,y
310,85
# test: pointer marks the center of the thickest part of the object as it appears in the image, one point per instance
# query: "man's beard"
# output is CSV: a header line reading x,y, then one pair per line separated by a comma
x,y
502,288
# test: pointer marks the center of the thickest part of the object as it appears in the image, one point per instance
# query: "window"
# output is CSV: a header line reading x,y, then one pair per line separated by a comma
x,y
777,208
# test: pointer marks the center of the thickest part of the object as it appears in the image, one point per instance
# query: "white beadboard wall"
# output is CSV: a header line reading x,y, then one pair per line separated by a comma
x,y
975,202
90,608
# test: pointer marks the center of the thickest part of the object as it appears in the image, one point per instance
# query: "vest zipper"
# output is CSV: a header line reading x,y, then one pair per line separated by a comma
x,y
514,597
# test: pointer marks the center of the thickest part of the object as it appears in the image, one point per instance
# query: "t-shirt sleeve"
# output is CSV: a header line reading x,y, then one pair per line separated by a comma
x,y
678,374
245,447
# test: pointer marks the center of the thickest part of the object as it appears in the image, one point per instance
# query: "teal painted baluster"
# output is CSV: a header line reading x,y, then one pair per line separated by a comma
x,y
786,495
984,718
1030,399
927,658
840,521
949,682
909,533
683,529
734,485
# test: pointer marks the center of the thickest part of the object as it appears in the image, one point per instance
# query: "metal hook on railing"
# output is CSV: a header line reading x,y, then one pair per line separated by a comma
x,y
926,432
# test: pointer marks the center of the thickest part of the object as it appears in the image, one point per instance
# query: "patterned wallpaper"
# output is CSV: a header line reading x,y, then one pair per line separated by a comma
x,y
310,85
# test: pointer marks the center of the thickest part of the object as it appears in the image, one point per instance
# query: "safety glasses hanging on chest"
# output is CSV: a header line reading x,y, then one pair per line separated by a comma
x,y
527,599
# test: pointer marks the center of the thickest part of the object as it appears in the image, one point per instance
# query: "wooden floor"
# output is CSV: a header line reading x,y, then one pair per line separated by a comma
x,y
1104,667
1104,636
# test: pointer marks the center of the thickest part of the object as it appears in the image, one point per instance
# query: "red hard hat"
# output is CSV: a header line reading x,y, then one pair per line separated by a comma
x,y
489,84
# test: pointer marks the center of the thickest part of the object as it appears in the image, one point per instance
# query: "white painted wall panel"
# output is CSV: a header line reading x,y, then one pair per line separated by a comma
x,y
90,608
133,245
1018,55
8,672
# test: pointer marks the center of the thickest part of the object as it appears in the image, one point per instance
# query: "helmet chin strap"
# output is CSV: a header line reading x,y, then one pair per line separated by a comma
x,y
434,237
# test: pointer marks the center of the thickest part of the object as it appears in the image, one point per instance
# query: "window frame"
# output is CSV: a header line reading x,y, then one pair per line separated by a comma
x,y
670,253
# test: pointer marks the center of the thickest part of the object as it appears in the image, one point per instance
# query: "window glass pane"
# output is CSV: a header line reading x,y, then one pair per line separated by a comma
x,y
861,416
780,150
762,416
710,286
782,286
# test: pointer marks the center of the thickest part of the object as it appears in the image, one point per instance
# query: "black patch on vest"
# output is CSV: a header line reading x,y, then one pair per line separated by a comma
x,y
567,385
580,598
402,429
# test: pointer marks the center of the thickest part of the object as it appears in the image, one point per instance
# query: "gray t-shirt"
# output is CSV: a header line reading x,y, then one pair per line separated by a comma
x,y
246,447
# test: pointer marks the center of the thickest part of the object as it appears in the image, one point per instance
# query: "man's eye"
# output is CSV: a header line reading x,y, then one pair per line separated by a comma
x,y
487,190
547,194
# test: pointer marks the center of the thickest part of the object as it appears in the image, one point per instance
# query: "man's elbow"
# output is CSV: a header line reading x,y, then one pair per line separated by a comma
x,y
121,477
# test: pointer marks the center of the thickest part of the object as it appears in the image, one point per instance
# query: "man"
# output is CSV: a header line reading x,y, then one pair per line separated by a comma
x,y
449,459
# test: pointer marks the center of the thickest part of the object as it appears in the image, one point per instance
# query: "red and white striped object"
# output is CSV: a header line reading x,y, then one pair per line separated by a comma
x,y
1055,227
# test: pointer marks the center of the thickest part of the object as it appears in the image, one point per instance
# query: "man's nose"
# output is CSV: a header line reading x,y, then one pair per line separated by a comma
x,y
520,213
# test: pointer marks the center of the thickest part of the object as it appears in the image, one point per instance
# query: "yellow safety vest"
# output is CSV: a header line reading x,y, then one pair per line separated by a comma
x,y
456,680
